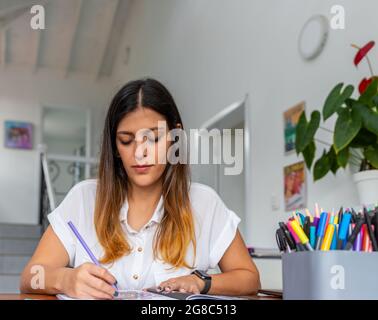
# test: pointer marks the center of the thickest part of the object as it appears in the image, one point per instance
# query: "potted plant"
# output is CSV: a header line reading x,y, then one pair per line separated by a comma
x,y
355,135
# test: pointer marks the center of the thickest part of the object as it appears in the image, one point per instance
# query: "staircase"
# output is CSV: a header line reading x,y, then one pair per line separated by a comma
x,y
17,244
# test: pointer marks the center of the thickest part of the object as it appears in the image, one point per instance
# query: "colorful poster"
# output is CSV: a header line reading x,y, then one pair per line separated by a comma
x,y
18,135
295,186
291,118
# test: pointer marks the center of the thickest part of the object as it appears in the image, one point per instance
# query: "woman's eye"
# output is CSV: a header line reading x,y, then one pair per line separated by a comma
x,y
125,143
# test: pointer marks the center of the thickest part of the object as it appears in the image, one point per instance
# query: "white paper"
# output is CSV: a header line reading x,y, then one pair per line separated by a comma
x,y
127,295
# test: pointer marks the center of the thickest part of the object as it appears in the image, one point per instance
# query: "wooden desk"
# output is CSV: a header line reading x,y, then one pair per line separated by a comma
x,y
23,296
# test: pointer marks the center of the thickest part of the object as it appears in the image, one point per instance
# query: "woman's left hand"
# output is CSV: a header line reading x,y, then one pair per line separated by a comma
x,y
190,284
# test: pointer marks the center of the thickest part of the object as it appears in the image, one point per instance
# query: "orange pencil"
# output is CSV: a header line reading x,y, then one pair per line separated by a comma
x,y
328,218
365,239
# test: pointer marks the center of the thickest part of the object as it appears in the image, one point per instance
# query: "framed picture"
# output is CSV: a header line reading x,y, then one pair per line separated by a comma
x,y
18,135
291,118
295,186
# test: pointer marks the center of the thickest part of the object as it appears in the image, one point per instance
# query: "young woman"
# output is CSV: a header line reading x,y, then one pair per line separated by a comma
x,y
142,219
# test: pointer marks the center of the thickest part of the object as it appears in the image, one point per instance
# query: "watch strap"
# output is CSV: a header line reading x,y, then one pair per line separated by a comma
x,y
207,286
206,278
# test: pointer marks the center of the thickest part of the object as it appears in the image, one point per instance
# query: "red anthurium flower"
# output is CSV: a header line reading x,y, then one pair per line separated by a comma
x,y
364,84
363,52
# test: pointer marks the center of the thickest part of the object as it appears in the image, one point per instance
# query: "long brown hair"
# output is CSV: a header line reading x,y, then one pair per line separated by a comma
x,y
176,230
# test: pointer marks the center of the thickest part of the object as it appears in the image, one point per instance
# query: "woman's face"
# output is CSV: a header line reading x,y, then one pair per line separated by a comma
x,y
142,147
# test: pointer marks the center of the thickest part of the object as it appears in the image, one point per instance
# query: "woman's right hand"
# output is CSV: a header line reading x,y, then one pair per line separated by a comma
x,y
88,281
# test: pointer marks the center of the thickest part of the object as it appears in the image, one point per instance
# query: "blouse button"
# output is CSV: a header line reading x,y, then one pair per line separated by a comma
x,y
140,249
135,276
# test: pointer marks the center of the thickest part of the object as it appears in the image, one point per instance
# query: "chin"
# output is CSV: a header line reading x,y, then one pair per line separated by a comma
x,y
143,180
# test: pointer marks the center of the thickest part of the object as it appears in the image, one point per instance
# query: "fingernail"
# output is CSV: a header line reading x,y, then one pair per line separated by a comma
x,y
115,293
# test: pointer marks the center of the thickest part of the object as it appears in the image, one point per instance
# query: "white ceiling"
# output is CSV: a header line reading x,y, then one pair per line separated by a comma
x,y
81,36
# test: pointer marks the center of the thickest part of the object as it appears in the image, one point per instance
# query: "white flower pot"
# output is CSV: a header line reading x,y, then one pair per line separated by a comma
x,y
367,186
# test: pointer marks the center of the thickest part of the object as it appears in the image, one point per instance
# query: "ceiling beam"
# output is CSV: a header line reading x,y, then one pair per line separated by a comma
x,y
115,39
6,19
35,53
11,11
105,40
10,5
4,40
73,26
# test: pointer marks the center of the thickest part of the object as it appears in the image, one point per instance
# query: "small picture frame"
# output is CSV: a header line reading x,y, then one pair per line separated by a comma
x,y
295,186
291,118
18,135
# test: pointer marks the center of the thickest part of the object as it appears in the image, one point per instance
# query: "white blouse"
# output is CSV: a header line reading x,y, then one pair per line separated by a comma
x,y
215,228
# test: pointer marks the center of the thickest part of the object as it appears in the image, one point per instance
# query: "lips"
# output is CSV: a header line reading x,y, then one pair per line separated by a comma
x,y
142,168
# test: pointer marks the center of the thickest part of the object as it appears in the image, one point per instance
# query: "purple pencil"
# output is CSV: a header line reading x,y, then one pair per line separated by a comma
x,y
86,248
358,243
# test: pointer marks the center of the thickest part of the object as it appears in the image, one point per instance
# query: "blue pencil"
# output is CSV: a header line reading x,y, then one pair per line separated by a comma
x,y
86,248
334,239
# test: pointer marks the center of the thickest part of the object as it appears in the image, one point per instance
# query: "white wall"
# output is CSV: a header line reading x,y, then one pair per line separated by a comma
x,y
210,53
22,96
18,167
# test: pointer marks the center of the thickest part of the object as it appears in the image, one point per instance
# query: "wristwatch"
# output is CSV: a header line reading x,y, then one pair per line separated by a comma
x,y
205,277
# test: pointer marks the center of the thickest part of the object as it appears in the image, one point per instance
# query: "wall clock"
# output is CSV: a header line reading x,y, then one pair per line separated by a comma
x,y
313,37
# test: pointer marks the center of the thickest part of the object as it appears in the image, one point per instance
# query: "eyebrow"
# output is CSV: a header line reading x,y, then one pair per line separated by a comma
x,y
131,133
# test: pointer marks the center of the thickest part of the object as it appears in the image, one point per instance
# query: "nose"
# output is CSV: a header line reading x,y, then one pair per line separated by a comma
x,y
141,151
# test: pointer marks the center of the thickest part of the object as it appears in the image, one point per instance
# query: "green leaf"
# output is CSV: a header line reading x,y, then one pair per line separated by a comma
x,y
312,127
350,102
371,154
305,131
369,117
309,154
329,105
375,100
347,126
322,166
334,166
369,93
363,139
335,99
300,132
343,157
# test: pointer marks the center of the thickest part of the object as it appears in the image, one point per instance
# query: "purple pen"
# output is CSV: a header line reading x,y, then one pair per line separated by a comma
x,y
358,242
86,248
